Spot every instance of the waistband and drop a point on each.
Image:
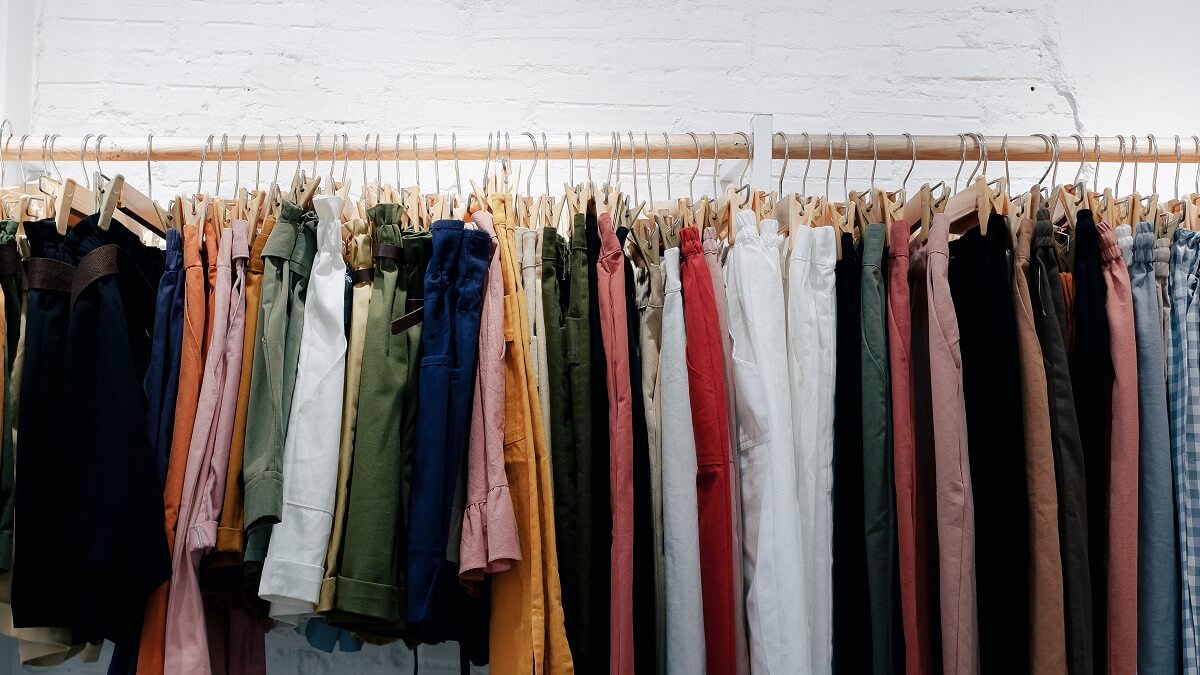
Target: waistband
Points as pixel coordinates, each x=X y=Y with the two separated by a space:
x=875 y=244
x=55 y=275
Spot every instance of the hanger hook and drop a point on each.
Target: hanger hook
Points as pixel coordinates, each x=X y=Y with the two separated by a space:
x=962 y=149
x=203 y=157
x=346 y=156
x=487 y=161
x=1004 y=148
x=221 y=161
x=278 y=159
x=53 y=141
x=45 y=169
x=149 y=173
x=649 y=184
x=912 y=146
x=874 y=158
x=316 y=152
x=714 y=173
x=1153 y=176
x=83 y=146
x=1096 y=175
x=667 y=142
x=237 y=167
x=378 y=167
x=1195 y=140
x=1082 y=156
x=1178 y=164
x=532 y=167
x=258 y=159
x=333 y=148
x=96 y=152
x=633 y=162
x=786 y=152
x=1050 y=149
x=437 y=170
x=545 y=163
x=807 y=164
x=24 y=137
x=1121 y=170
x=975 y=138
x=1133 y=139
x=749 y=154
x=457 y=175
x=829 y=166
x=587 y=153
x=846 y=165
x=366 y=144
x=570 y=159
x=612 y=150
x=1054 y=173
x=299 y=154
x=983 y=148
x=696 y=170
x=416 y=160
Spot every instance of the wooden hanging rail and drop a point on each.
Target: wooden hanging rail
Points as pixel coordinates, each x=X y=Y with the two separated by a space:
x=558 y=147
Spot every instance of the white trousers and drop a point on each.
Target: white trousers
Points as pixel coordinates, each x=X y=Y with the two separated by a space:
x=681 y=519
x=295 y=563
x=773 y=560
x=811 y=342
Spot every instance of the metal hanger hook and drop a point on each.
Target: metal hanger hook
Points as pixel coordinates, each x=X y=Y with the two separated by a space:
x=1049 y=148
x=749 y=154
x=149 y=173
x=874 y=158
x=667 y=142
x=786 y=152
x=692 y=179
x=237 y=167
x=532 y=167
x=912 y=146
x=1154 y=175
x=454 y=152
x=203 y=158
x=962 y=159
x=1082 y=157
x=1121 y=170
x=83 y=146
x=1178 y=164
x=714 y=172
x=221 y=162
x=807 y=165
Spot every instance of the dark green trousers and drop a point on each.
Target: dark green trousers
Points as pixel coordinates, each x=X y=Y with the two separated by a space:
x=370 y=582
x=879 y=498
x=562 y=438
x=577 y=331
x=287 y=259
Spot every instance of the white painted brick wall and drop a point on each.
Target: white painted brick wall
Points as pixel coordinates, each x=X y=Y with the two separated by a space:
x=190 y=67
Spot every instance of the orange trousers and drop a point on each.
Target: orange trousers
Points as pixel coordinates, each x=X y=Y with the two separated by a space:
x=527 y=633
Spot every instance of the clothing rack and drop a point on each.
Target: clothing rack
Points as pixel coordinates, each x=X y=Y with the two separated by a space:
x=795 y=146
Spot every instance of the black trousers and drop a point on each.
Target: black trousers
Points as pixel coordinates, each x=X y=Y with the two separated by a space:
x=89 y=501
x=1068 y=453
x=1092 y=381
x=598 y=576
x=851 y=601
x=645 y=599
x=981 y=285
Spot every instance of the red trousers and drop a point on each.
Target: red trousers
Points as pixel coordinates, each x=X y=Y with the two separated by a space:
x=710 y=424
